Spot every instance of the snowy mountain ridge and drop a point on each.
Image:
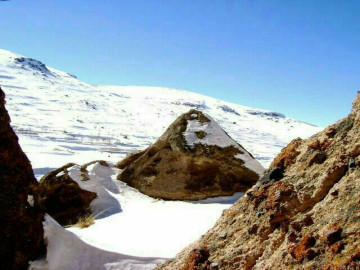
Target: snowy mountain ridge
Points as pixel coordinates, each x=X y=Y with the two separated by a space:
x=70 y=120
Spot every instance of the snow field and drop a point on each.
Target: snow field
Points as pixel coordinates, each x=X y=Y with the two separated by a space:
x=147 y=230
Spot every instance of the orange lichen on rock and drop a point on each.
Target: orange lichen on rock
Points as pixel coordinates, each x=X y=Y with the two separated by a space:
x=337 y=247
x=197 y=259
x=276 y=197
x=316 y=144
x=303 y=249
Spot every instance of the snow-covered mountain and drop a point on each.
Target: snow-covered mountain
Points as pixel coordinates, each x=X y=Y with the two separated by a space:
x=60 y=119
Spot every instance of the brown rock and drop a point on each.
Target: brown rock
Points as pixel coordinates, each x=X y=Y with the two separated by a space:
x=197 y=260
x=253 y=229
x=292 y=237
x=296 y=225
x=337 y=247
x=21 y=215
x=303 y=250
x=63 y=198
x=190 y=161
x=332 y=234
x=308 y=219
x=129 y=159
x=317 y=158
x=330 y=132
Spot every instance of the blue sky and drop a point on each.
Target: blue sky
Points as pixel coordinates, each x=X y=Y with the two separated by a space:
x=298 y=57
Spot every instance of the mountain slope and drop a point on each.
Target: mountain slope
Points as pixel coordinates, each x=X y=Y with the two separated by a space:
x=72 y=121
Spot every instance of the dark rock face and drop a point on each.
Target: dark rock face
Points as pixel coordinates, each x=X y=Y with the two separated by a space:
x=21 y=229
x=178 y=168
x=63 y=198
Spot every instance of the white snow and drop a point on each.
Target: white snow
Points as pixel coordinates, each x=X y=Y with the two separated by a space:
x=215 y=135
x=66 y=251
x=147 y=230
x=251 y=163
x=60 y=174
x=149 y=227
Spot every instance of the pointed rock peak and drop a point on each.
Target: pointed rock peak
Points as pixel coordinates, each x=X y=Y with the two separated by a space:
x=196 y=130
x=194 y=159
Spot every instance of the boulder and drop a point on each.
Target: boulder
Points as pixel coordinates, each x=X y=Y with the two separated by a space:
x=21 y=215
x=194 y=159
x=63 y=198
x=307 y=218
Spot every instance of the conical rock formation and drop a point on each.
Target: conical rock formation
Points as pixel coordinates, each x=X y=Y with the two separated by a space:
x=307 y=217
x=21 y=230
x=193 y=159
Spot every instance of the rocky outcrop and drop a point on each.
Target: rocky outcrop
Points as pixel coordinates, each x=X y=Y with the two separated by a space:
x=63 y=198
x=193 y=159
x=308 y=217
x=21 y=230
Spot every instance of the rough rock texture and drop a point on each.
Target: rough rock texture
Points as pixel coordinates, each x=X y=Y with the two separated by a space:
x=188 y=163
x=21 y=230
x=129 y=159
x=62 y=197
x=307 y=219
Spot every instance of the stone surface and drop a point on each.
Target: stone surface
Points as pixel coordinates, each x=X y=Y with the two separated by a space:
x=132 y=157
x=21 y=216
x=176 y=168
x=63 y=199
x=308 y=219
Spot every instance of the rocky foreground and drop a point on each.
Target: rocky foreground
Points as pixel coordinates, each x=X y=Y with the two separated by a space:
x=305 y=213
